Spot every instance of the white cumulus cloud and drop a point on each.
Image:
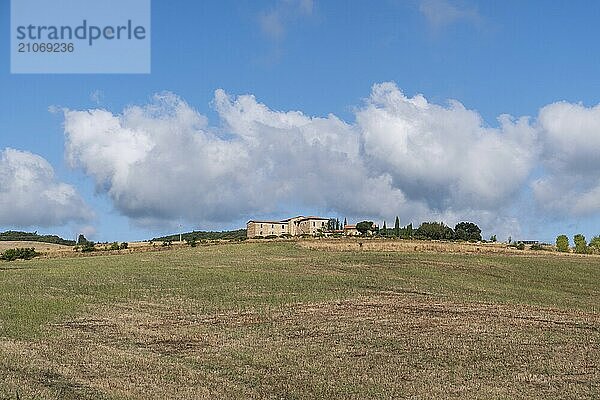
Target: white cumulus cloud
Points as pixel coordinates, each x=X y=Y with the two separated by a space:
x=30 y=194
x=445 y=156
x=403 y=156
x=570 y=138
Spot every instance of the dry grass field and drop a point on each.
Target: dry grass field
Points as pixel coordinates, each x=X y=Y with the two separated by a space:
x=354 y=244
x=39 y=246
x=295 y=320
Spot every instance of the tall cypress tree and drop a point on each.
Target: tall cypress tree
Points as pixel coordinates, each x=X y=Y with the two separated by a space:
x=384 y=230
x=397 y=227
x=345 y=222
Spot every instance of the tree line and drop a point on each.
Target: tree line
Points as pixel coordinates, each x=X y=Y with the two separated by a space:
x=467 y=231
x=239 y=234
x=16 y=236
x=580 y=244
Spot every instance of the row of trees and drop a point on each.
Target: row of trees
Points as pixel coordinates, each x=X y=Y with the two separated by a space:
x=580 y=244
x=466 y=231
x=239 y=234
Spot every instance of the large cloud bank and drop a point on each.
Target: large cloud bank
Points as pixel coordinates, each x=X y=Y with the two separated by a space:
x=30 y=194
x=571 y=159
x=402 y=156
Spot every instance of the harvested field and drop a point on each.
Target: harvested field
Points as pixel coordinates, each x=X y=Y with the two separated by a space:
x=354 y=244
x=39 y=246
x=278 y=320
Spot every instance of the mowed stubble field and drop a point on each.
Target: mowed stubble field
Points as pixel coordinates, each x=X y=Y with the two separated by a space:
x=280 y=320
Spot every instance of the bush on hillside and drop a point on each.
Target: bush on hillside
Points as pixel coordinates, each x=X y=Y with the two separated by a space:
x=26 y=253
x=88 y=247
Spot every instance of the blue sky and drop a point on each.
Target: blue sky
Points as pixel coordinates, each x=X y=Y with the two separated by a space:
x=322 y=58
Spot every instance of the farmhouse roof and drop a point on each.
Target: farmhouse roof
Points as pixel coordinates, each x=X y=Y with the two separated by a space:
x=299 y=218
x=265 y=222
x=289 y=219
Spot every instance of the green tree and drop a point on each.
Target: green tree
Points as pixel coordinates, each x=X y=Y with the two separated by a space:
x=345 y=222
x=595 y=244
x=364 y=227
x=434 y=231
x=81 y=239
x=397 y=227
x=467 y=231
x=383 y=231
x=562 y=243
x=493 y=239
x=331 y=224
x=580 y=244
x=408 y=231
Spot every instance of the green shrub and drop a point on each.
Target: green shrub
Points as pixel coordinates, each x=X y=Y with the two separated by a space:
x=114 y=246
x=538 y=246
x=88 y=247
x=191 y=242
x=124 y=246
x=594 y=246
x=26 y=253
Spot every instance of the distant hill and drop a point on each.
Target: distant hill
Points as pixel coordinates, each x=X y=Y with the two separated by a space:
x=15 y=236
x=206 y=235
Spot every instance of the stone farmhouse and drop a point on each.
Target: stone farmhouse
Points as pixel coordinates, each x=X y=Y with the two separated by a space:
x=296 y=226
x=350 y=230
